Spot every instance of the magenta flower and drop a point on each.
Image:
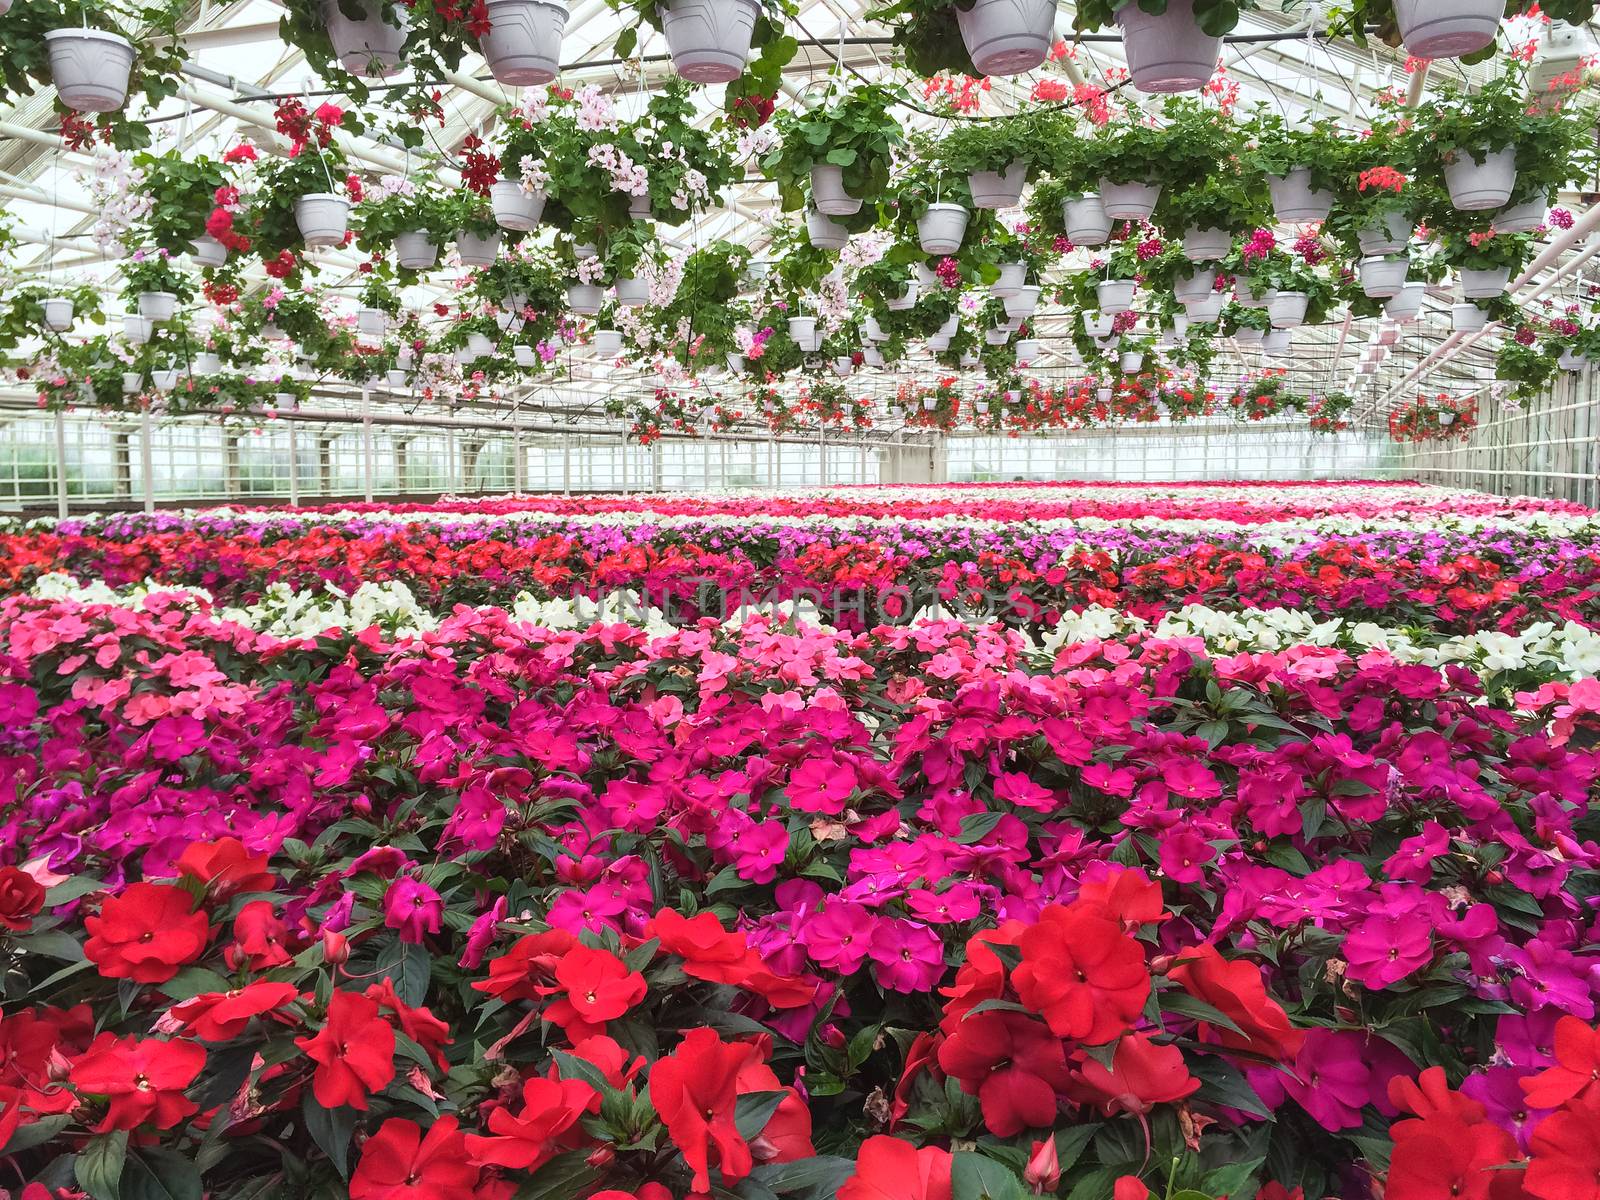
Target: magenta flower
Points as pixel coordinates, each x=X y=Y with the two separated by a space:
x=413 y=908
x=906 y=956
x=1385 y=949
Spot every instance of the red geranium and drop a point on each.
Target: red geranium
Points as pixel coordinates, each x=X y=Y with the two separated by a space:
x=695 y=1091
x=1141 y=1076
x=1085 y=976
x=547 y=1125
x=596 y=987
x=143 y=1079
x=146 y=934
x=354 y=1052
x=400 y=1162
x=522 y=972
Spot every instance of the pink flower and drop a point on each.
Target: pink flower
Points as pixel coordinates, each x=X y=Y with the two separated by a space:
x=413 y=908
x=906 y=956
x=1385 y=949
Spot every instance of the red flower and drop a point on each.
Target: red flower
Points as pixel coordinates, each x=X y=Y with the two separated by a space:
x=1449 y=1151
x=222 y=1016
x=1236 y=990
x=354 y=1052
x=21 y=896
x=243 y=152
x=547 y=1125
x=1079 y=971
x=399 y=1162
x=144 y=1080
x=598 y=988
x=259 y=938
x=1142 y=1075
x=694 y=1089
x=1565 y=1164
x=1576 y=1074
x=521 y=972
x=890 y=1169
x=226 y=868
x=787 y=1134
x=1012 y=1064
x=418 y=1024
x=146 y=934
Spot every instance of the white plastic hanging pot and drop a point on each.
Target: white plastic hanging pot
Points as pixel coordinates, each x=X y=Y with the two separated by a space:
x=164 y=380
x=1129 y=201
x=938 y=344
x=813 y=343
x=828 y=194
x=514 y=208
x=322 y=217
x=1012 y=277
x=1485 y=284
x=373 y=322
x=58 y=313
x=140 y=330
x=927 y=277
x=1475 y=186
x=208 y=252
x=1027 y=350
x=1383 y=277
x=929 y=403
x=735 y=364
x=207 y=363
x=607 y=343
x=1522 y=218
x=639 y=207
x=1249 y=297
x=1279 y=341
x=405 y=358
x=479 y=345
x=414 y=252
x=873 y=330
x=90 y=68
x=1447 y=28
x=1467 y=318
x=825 y=233
x=132 y=383
x=998 y=189
x=801 y=329
x=1022 y=305
x=1569 y=361
x=272 y=333
x=1206 y=245
x=585 y=299
x=369 y=46
x=1404 y=305
x=524 y=355
x=1295 y=201
x=941 y=228
x=1097 y=325
x=632 y=292
x=1167 y=51
x=1386 y=237
x=523 y=42
x=951 y=324
x=1248 y=335
x=872 y=356
x=998 y=336
x=397 y=380
x=905 y=300
x=1103 y=394
x=1208 y=308
x=842 y=366
x=709 y=40
x=1116 y=295
x=286 y=400
x=970 y=359
x=1007 y=37
x=158 y=306
x=474 y=251
x=1086 y=221
x=1287 y=310
x=1194 y=287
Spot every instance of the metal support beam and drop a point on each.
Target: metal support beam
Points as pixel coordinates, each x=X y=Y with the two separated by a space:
x=147 y=469
x=61 y=466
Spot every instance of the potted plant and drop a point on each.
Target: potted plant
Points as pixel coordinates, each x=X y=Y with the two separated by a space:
x=350 y=41
x=477 y=233
x=1435 y=29
x=1485 y=262
x=182 y=192
x=981 y=37
x=710 y=40
x=521 y=40
x=1000 y=157
x=1133 y=161
x=153 y=285
x=1171 y=46
x=1472 y=138
x=414 y=217
x=1552 y=152
x=1303 y=162
x=844 y=147
x=1434 y=418
x=302 y=200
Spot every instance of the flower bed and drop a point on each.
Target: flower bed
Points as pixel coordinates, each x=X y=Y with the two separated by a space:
x=1235 y=905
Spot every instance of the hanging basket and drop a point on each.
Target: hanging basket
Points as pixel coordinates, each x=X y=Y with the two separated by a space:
x=801 y=330
x=1028 y=350
x=1447 y=28
x=1022 y=305
x=941 y=228
x=165 y=379
x=1115 y=295
x=1405 y=304
x=998 y=189
x=1194 y=287
x=639 y=207
x=323 y=218
x=90 y=68
x=1383 y=277
x=998 y=336
x=1522 y=218
x=828 y=194
x=585 y=299
x=132 y=383
x=1287 y=310
x=1208 y=308
x=207 y=363
x=1475 y=186
x=368 y=46
x=824 y=233
x=523 y=42
x=709 y=40
x=905 y=300
x=1388 y=237
x=397 y=380
x=1129 y=201
x=1248 y=335
x=1086 y=221
x=58 y=312
x=632 y=292
x=1569 y=361
x=1007 y=37
x=373 y=322
x=842 y=366
x=607 y=343
x=1295 y=201
x=208 y=252
x=1097 y=325
x=1278 y=342
x=1206 y=245
x=1484 y=285
x=1012 y=277
x=1167 y=51
x=514 y=208
x=474 y=251
x=414 y=252
x=157 y=306
x=1467 y=318
x=1248 y=297
x=140 y=330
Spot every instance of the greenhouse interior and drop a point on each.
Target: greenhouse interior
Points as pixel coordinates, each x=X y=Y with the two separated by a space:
x=799 y=600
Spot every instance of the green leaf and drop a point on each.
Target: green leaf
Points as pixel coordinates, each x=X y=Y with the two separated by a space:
x=755 y=1110
x=563 y=1177
x=626 y=41
x=156 y=1174
x=409 y=965
x=978 y=1177
x=1232 y=1179
x=100 y=1163
x=191 y=982
x=331 y=1129
x=1186 y=1005
x=806 y=1178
